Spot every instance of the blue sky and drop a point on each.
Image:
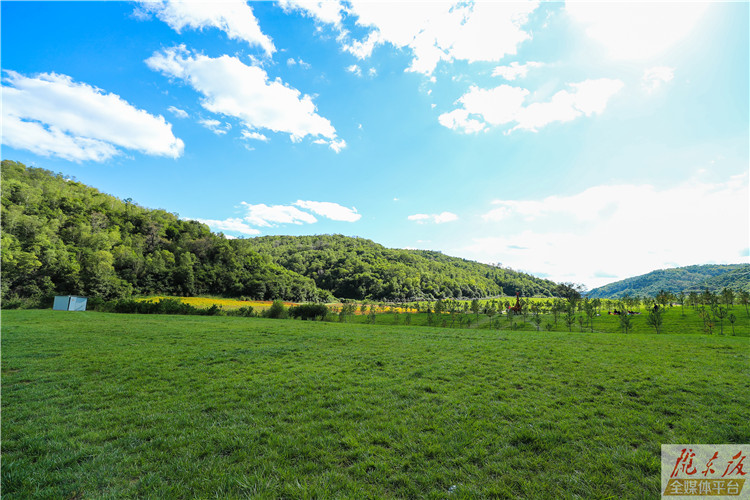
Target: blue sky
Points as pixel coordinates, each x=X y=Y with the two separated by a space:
x=583 y=142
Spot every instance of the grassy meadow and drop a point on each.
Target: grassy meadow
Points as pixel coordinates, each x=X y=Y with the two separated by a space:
x=100 y=405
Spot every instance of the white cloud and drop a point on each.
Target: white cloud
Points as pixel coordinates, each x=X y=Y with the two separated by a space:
x=231 y=88
x=325 y=11
x=618 y=230
x=443 y=31
x=330 y=210
x=504 y=105
x=515 y=70
x=354 y=69
x=234 y=225
x=52 y=115
x=636 y=30
x=655 y=77
x=458 y=119
x=215 y=126
x=302 y=64
x=247 y=134
x=179 y=113
x=436 y=218
x=265 y=216
x=362 y=49
x=234 y=17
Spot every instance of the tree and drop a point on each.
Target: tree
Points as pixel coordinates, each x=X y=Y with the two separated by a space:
x=475 y=307
x=589 y=310
x=732 y=318
x=655 y=318
x=721 y=313
x=570 y=291
x=570 y=316
x=744 y=297
x=625 y=321
x=727 y=296
x=681 y=300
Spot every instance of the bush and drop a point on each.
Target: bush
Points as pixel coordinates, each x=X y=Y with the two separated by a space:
x=309 y=311
x=276 y=311
x=245 y=312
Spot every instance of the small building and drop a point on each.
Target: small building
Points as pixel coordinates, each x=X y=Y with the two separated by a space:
x=69 y=303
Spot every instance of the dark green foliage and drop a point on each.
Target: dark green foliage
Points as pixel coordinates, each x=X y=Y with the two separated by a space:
x=276 y=311
x=162 y=306
x=358 y=268
x=680 y=279
x=309 y=311
x=62 y=237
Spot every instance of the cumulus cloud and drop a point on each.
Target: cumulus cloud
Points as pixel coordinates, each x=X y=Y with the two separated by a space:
x=235 y=225
x=52 y=115
x=515 y=70
x=435 y=218
x=615 y=231
x=442 y=31
x=325 y=11
x=179 y=113
x=333 y=211
x=233 y=17
x=354 y=69
x=232 y=88
x=636 y=30
x=655 y=77
x=504 y=105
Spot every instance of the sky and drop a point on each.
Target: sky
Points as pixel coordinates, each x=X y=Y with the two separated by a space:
x=583 y=142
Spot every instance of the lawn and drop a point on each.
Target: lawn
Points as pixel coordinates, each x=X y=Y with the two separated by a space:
x=114 y=405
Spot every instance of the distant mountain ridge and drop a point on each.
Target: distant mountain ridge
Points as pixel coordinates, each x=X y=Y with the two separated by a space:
x=715 y=277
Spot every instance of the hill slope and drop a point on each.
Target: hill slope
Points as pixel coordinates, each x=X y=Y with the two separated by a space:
x=60 y=236
x=358 y=268
x=63 y=237
x=680 y=279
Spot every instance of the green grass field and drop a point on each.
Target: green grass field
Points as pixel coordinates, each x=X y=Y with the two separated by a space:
x=112 y=405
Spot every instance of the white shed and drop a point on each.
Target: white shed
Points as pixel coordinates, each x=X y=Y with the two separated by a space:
x=69 y=303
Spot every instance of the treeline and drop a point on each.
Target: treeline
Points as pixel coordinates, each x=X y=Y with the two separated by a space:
x=712 y=277
x=62 y=237
x=357 y=268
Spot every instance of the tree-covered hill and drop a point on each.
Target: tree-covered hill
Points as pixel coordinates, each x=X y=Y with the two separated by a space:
x=60 y=236
x=680 y=279
x=63 y=237
x=359 y=268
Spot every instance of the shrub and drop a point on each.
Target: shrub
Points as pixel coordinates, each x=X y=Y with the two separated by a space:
x=276 y=311
x=309 y=311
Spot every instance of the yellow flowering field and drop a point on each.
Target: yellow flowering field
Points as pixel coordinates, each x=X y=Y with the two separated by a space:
x=226 y=304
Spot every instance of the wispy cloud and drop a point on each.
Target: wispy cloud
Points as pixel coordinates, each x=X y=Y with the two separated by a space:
x=616 y=231
x=654 y=78
x=333 y=211
x=440 y=218
x=234 y=225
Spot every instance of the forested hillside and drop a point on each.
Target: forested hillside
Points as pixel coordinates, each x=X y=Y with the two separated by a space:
x=60 y=236
x=359 y=268
x=680 y=279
